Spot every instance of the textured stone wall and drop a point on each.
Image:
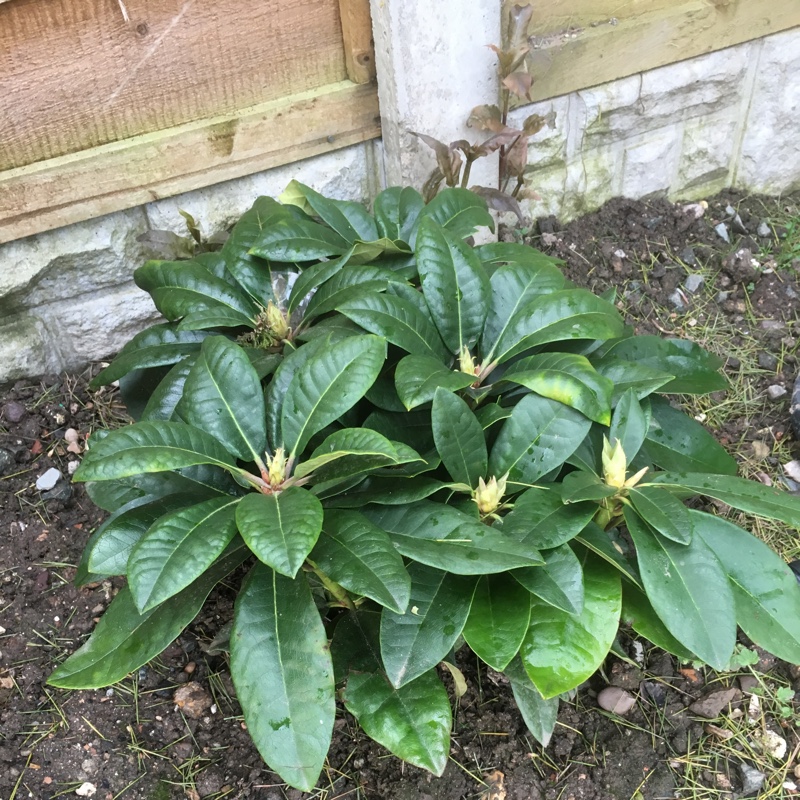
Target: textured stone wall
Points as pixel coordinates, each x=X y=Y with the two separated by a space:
x=729 y=118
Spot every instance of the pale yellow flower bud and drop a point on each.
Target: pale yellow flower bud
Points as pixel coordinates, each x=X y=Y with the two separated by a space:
x=276 y=321
x=614 y=463
x=488 y=495
x=276 y=467
x=466 y=363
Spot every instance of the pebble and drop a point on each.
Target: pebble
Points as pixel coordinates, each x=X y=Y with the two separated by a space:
x=192 y=699
x=14 y=411
x=722 y=297
x=72 y=467
x=711 y=705
x=693 y=282
x=752 y=779
x=86 y=790
x=48 y=480
x=767 y=361
x=764 y=230
x=7 y=461
x=771 y=743
x=722 y=232
x=61 y=491
x=679 y=300
x=616 y=700
x=689 y=258
x=776 y=391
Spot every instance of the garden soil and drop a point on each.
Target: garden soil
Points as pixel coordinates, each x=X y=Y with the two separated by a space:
x=174 y=729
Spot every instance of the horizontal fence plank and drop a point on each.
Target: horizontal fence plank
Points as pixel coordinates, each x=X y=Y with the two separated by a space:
x=145 y=168
x=583 y=43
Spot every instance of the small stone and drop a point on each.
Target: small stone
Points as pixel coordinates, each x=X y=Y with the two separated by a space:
x=752 y=779
x=190 y=668
x=776 y=391
x=7 y=461
x=192 y=699
x=86 y=790
x=48 y=480
x=711 y=705
x=72 y=467
x=693 y=282
x=689 y=258
x=722 y=232
x=767 y=361
x=771 y=743
x=70 y=435
x=764 y=230
x=722 y=297
x=61 y=491
x=14 y=411
x=748 y=683
x=679 y=300
x=616 y=700
x=760 y=450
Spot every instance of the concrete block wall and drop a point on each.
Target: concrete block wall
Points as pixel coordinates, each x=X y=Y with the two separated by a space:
x=728 y=118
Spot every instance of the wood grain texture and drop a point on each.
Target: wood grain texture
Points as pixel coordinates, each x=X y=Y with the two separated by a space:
x=74 y=74
x=359 y=49
x=120 y=175
x=582 y=43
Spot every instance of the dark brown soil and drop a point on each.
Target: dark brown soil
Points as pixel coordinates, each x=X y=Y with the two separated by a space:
x=132 y=742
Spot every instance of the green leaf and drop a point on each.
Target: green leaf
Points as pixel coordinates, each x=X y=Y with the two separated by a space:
x=459 y=438
x=749 y=496
x=223 y=397
x=350 y=220
x=562 y=650
x=348 y=284
x=164 y=400
x=418 y=377
x=539 y=714
x=516 y=253
x=281 y=529
x=361 y=447
x=178 y=548
x=398 y=321
x=153 y=347
x=560 y=316
x=443 y=537
x=313 y=277
x=568 y=378
x=388 y=492
x=696 y=370
x=625 y=375
x=179 y=288
x=491 y=414
x=282 y=670
x=581 y=485
x=460 y=211
x=559 y=582
x=125 y=640
x=601 y=543
x=765 y=590
x=513 y=287
x=216 y=317
x=413 y=722
x=639 y=614
x=678 y=443
x=298 y=240
x=455 y=287
x=629 y=424
x=498 y=620
x=542 y=519
x=662 y=511
x=330 y=383
x=396 y=211
x=361 y=557
x=110 y=546
x=417 y=640
x=689 y=591
x=151 y=447
x=540 y=435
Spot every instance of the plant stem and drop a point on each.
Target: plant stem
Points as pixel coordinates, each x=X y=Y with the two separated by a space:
x=338 y=592
x=465 y=174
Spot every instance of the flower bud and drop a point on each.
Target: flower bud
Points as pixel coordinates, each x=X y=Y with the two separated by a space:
x=614 y=464
x=276 y=321
x=466 y=363
x=488 y=495
x=276 y=467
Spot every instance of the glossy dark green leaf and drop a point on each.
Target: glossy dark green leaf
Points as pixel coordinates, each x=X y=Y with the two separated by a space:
x=515 y=253
x=568 y=378
x=396 y=211
x=454 y=284
x=179 y=288
x=388 y=492
x=498 y=619
x=662 y=511
x=151 y=447
x=562 y=650
x=417 y=640
x=282 y=670
x=223 y=397
x=443 y=537
x=418 y=377
x=581 y=485
x=361 y=557
x=350 y=220
x=164 y=400
x=765 y=590
x=605 y=544
x=178 y=548
x=125 y=640
x=298 y=240
x=513 y=287
x=460 y=211
x=689 y=590
x=330 y=383
x=630 y=424
x=542 y=519
x=214 y=317
x=313 y=277
x=398 y=321
x=539 y=714
x=749 y=496
x=625 y=375
x=362 y=446
x=696 y=370
x=559 y=582
x=153 y=347
x=281 y=529
x=459 y=438
x=347 y=284
x=678 y=443
x=491 y=413
x=539 y=436
x=560 y=316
